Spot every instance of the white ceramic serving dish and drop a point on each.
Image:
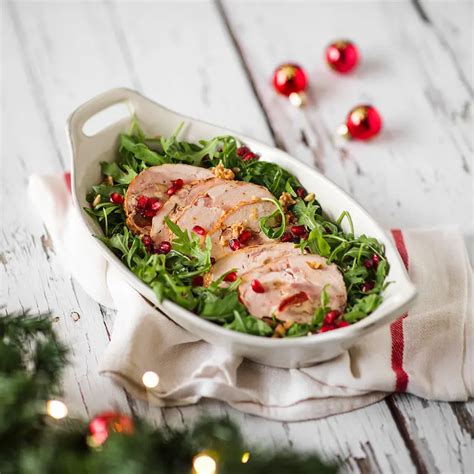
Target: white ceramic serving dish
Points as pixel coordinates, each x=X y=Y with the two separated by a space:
x=88 y=151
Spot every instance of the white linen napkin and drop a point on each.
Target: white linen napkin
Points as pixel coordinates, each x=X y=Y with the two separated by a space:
x=427 y=352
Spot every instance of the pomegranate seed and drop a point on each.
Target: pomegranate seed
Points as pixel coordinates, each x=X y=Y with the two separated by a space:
x=257 y=286
x=198 y=280
x=367 y=286
x=234 y=244
x=245 y=236
x=146 y=239
x=342 y=324
x=171 y=190
x=249 y=156
x=142 y=202
x=177 y=183
x=242 y=150
x=298 y=230
x=154 y=204
x=164 y=247
x=213 y=260
x=329 y=327
x=368 y=264
x=287 y=237
x=301 y=192
x=117 y=198
x=331 y=316
x=231 y=277
x=304 y=236
x=376 y=260
x=197 y=229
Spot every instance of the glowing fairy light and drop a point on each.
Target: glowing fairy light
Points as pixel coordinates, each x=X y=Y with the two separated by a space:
x=245 y=457
x=150 y=379
x=204 y=464
x=56 y=409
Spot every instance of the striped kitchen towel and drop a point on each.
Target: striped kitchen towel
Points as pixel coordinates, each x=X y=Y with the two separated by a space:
x=427 y=352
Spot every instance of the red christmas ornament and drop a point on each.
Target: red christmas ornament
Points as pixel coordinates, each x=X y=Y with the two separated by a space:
x=290 y=80
x=362 y=122
x=105 y=423
x=342 y=56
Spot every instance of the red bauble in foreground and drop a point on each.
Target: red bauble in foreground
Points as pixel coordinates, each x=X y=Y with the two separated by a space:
x=342 y=56
x=363 y=122
x=105 y=423
x=290 y=80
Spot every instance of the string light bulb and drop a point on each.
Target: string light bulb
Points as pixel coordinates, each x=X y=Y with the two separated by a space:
x=56 y=409
x=150 y=379
x=204 y=464
x=245 y=457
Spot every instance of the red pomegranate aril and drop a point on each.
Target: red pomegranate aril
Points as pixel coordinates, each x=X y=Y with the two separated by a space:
x=245 y=236
x=257 y=286
x=198 y=280
x=154 y=204
x=298 y=230
x=301 y=192
x=287 y=237
x=171 y=190
x=177 y=183
x=368 y=264
x=197 y=229
x=213 y=260
x=242 y=150
x=234 y=244
x=117 y=198
x=331 y=316
x=142 y=202
x=231 y=277
x=342 y=324
x=146 y=239
x=164 y=247
x=249 y=156
x=367 y=286
x=326 y=328
x=375 y=260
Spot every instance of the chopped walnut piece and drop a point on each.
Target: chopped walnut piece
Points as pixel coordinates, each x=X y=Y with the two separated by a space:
x=222 y=173
x=279 y=331
x=287 y=324
x=109 y=180
x=286 y=200
x=237 y=229
x=314 y=265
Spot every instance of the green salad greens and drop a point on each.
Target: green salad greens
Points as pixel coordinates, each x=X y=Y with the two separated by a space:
x=178 y=275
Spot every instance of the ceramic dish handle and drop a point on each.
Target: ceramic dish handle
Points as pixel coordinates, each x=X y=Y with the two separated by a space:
x=85 y=112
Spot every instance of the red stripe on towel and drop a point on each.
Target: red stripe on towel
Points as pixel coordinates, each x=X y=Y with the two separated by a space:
x=67 y=180
x=396 y=328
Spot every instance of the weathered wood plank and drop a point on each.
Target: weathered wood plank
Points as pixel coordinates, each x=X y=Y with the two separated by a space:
x=290 y=39
x=426 y=145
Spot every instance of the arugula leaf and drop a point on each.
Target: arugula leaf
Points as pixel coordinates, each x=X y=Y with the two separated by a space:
x=249 y=325
x=363 y=307
x=123 y=175
x=319 y=314
x=141 y=151
x=272 y=231
x=307 y=213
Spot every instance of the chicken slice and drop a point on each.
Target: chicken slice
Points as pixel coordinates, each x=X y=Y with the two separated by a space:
x=153 y=183
x=292 y=288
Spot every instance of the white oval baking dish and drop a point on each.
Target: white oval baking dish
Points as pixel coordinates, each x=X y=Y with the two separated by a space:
x=88 y=151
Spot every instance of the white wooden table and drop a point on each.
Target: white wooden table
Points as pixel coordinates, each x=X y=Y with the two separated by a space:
x=214 y=61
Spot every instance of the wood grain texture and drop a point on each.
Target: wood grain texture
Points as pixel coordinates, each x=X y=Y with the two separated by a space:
x=57 y=55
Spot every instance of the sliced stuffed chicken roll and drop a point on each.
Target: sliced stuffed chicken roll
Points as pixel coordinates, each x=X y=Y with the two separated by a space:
x=290 y=288
x=152 y=188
